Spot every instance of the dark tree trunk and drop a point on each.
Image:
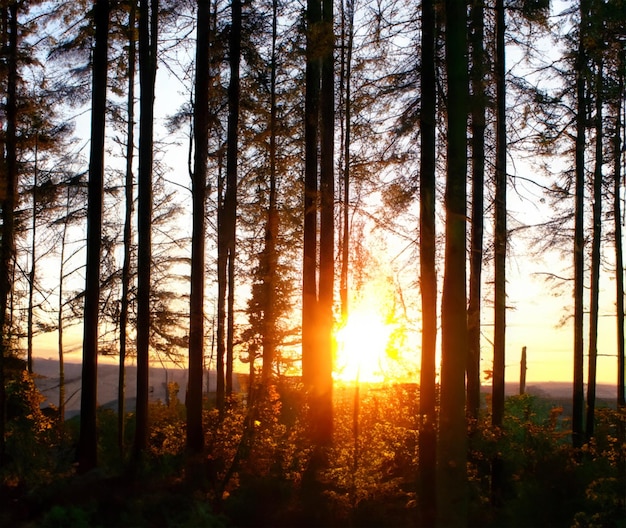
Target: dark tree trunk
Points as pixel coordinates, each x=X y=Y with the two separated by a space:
x=270 y=257
x=595 y=262
x=60 y=345
x=478 y=125
x=148 y=27
x=348 y=25
x=500 y=246
x=428 y=274
x=31 y=276
x=230 y=196
x=619 y=255
x=9 y=203
x=500 y=233
x=578 y=399
x=88 y=440
x=195 y=432
x=128 y=219
x=311 y=131
x=324 y=383
x=452 y=446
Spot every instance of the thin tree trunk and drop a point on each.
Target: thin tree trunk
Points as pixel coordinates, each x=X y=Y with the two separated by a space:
x=32 y=273
x=500 y=232
x=478 y=125
x=88 y=440
x=452 y=447
x=579 y=218
x=128 y=238
x=595 y=262
x=148 y=28
x=230 y=197
x=60 y=345
x=195 y=433
x=500 y=246
x=270 y=257
x=9 y=202
x=428 y=274
x=345 y=239
x=324 y=383
x=311 y=130
x=619 y=255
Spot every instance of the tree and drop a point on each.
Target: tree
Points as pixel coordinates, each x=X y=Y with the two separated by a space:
x=311 y=132
x=195 y=434
x=9 y=200
x=478 y=125
x=148 y=34
x=428 y=272
x=327 y=226
x=128 y=220
x=579 y=217
x=452 y=442
x=227 y=221
x=617 y=218
x=595 y=242
x=88 y=440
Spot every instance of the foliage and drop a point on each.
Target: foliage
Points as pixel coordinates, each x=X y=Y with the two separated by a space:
x=256 y=458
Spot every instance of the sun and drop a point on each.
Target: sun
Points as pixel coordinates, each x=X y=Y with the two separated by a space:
x=362 y=344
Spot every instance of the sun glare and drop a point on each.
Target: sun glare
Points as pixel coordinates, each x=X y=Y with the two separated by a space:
x=361 y=347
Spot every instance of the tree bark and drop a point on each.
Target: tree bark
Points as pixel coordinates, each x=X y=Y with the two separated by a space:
x=148 y=28
x=579 y=242
x=88 y=439
x=195 y=432
x=478 y=125
x=452 y=447
x=9 y=203
x=324 y=385
x=619 y=255
x=595 y=262
x=311 y=130
x=270 y=257
x=128 y=219
x=230 y=196
x=428 y=274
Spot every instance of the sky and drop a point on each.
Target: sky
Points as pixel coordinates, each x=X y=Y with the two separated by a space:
x=535 y=310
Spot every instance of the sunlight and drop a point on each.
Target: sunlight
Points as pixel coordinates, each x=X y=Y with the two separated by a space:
x=361 y=347
x=366 y=344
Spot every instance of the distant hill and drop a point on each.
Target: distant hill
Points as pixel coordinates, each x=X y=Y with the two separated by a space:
x=47 y=381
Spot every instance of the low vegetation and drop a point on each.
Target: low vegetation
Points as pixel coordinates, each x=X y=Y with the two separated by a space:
x=254 y=468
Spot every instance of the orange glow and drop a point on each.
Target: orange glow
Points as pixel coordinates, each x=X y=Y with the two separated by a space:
x=368 y=344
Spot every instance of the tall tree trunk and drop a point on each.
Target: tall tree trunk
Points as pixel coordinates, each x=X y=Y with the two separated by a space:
x=270 y=257
x=230 y=196
x=324 y=383
x=500 y=246
x=128 y=219
x=60 y=345
x=148 y=31
x=579 y=242
x=88 y=439
x=311 y=131
x=33 y=271
x=619 y=255
x=478 y=102
x=452 y=446
x=9 y=203
x=348 y=25
x=595 y=262
x=428 y=274
x=500 y=233
x=195 y=433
